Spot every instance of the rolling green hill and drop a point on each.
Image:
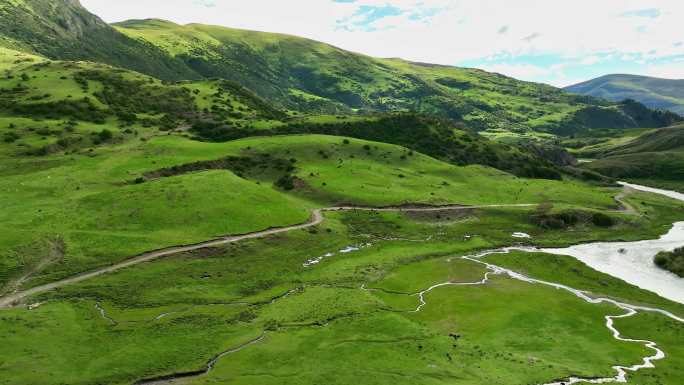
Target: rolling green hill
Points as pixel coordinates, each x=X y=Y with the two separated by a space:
x=302 y=75
x=310 y=76
x=51 y=106
x=665 y=94
x=198 y=204
x=656 y=157
x=661 y=140
x=61 y=107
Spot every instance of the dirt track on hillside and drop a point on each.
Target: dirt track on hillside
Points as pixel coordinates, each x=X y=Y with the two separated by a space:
x=316 y=219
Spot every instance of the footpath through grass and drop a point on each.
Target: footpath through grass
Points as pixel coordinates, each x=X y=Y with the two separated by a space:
x=175 y=314
x=96 y=208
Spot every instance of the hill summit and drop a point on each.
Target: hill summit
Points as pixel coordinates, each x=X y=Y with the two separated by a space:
x=665 y=94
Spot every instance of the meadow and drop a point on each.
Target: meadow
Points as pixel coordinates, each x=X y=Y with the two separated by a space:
x=174 y=315
x=98 y=208
x=118 y=140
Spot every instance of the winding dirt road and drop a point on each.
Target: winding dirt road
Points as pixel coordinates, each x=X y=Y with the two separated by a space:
x=15 y=298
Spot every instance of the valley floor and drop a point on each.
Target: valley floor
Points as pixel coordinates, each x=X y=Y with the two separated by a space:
x=335 y=297
x=344 y=298
x=196 y=205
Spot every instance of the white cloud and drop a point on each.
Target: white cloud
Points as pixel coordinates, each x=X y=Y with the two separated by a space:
x=673 y=70
x=589 y=60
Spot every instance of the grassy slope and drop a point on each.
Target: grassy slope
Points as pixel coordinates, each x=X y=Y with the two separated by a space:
x=63 y=29
x=52 y=121
x=439 y=138
x=310 y=76
x=58 y=107
x=654 y=92
x=78 y=206
x=655 y=157
x=304 y=75
x=59 y=95
x=58 y=164
x=87 y=200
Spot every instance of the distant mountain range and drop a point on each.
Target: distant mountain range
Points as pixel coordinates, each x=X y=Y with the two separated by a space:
x=665 y=94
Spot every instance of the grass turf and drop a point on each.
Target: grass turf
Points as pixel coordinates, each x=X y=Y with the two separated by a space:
x=214 y=300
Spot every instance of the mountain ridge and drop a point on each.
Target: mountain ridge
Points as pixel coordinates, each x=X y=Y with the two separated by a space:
x=65 y=30
x=311 y=77
x=660 y=93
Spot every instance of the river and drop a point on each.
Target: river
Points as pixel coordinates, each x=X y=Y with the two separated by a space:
x=633 y=261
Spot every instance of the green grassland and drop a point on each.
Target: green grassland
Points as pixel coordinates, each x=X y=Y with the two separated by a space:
x=568 y=271
x=94 y=202
x=595 y=142
x=175 y=314
x=310 y=76
x=655 y=157
x=79 y=138
x=667 y=333
x=438 y=138
x=120 y=139
x=305 y=76
x=95 y=104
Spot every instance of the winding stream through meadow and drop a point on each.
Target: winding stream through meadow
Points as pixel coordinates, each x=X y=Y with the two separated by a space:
x=629 y=311
x=629 y=261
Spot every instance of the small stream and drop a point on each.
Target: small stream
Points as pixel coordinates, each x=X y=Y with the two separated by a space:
x=629 y=311
x=629 y=261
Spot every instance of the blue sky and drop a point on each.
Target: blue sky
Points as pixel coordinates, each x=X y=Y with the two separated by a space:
x=551 y=41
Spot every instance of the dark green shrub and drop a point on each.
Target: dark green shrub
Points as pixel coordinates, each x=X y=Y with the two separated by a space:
x=602 y=220
x=104 y=136
x=672 y=261
x=10 y=137
x=44 y=131
x=661 y=259
x=286 y=182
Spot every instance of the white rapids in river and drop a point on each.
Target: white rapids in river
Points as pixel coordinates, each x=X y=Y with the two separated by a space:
x=633 y=261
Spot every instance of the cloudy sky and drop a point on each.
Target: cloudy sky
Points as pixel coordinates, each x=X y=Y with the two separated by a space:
x=553 y=41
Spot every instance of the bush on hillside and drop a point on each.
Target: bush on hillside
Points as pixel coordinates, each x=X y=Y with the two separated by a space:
x=103 y=136
x=544 y=218
x=602 y=220
x=10 y=137
x=286 y=182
